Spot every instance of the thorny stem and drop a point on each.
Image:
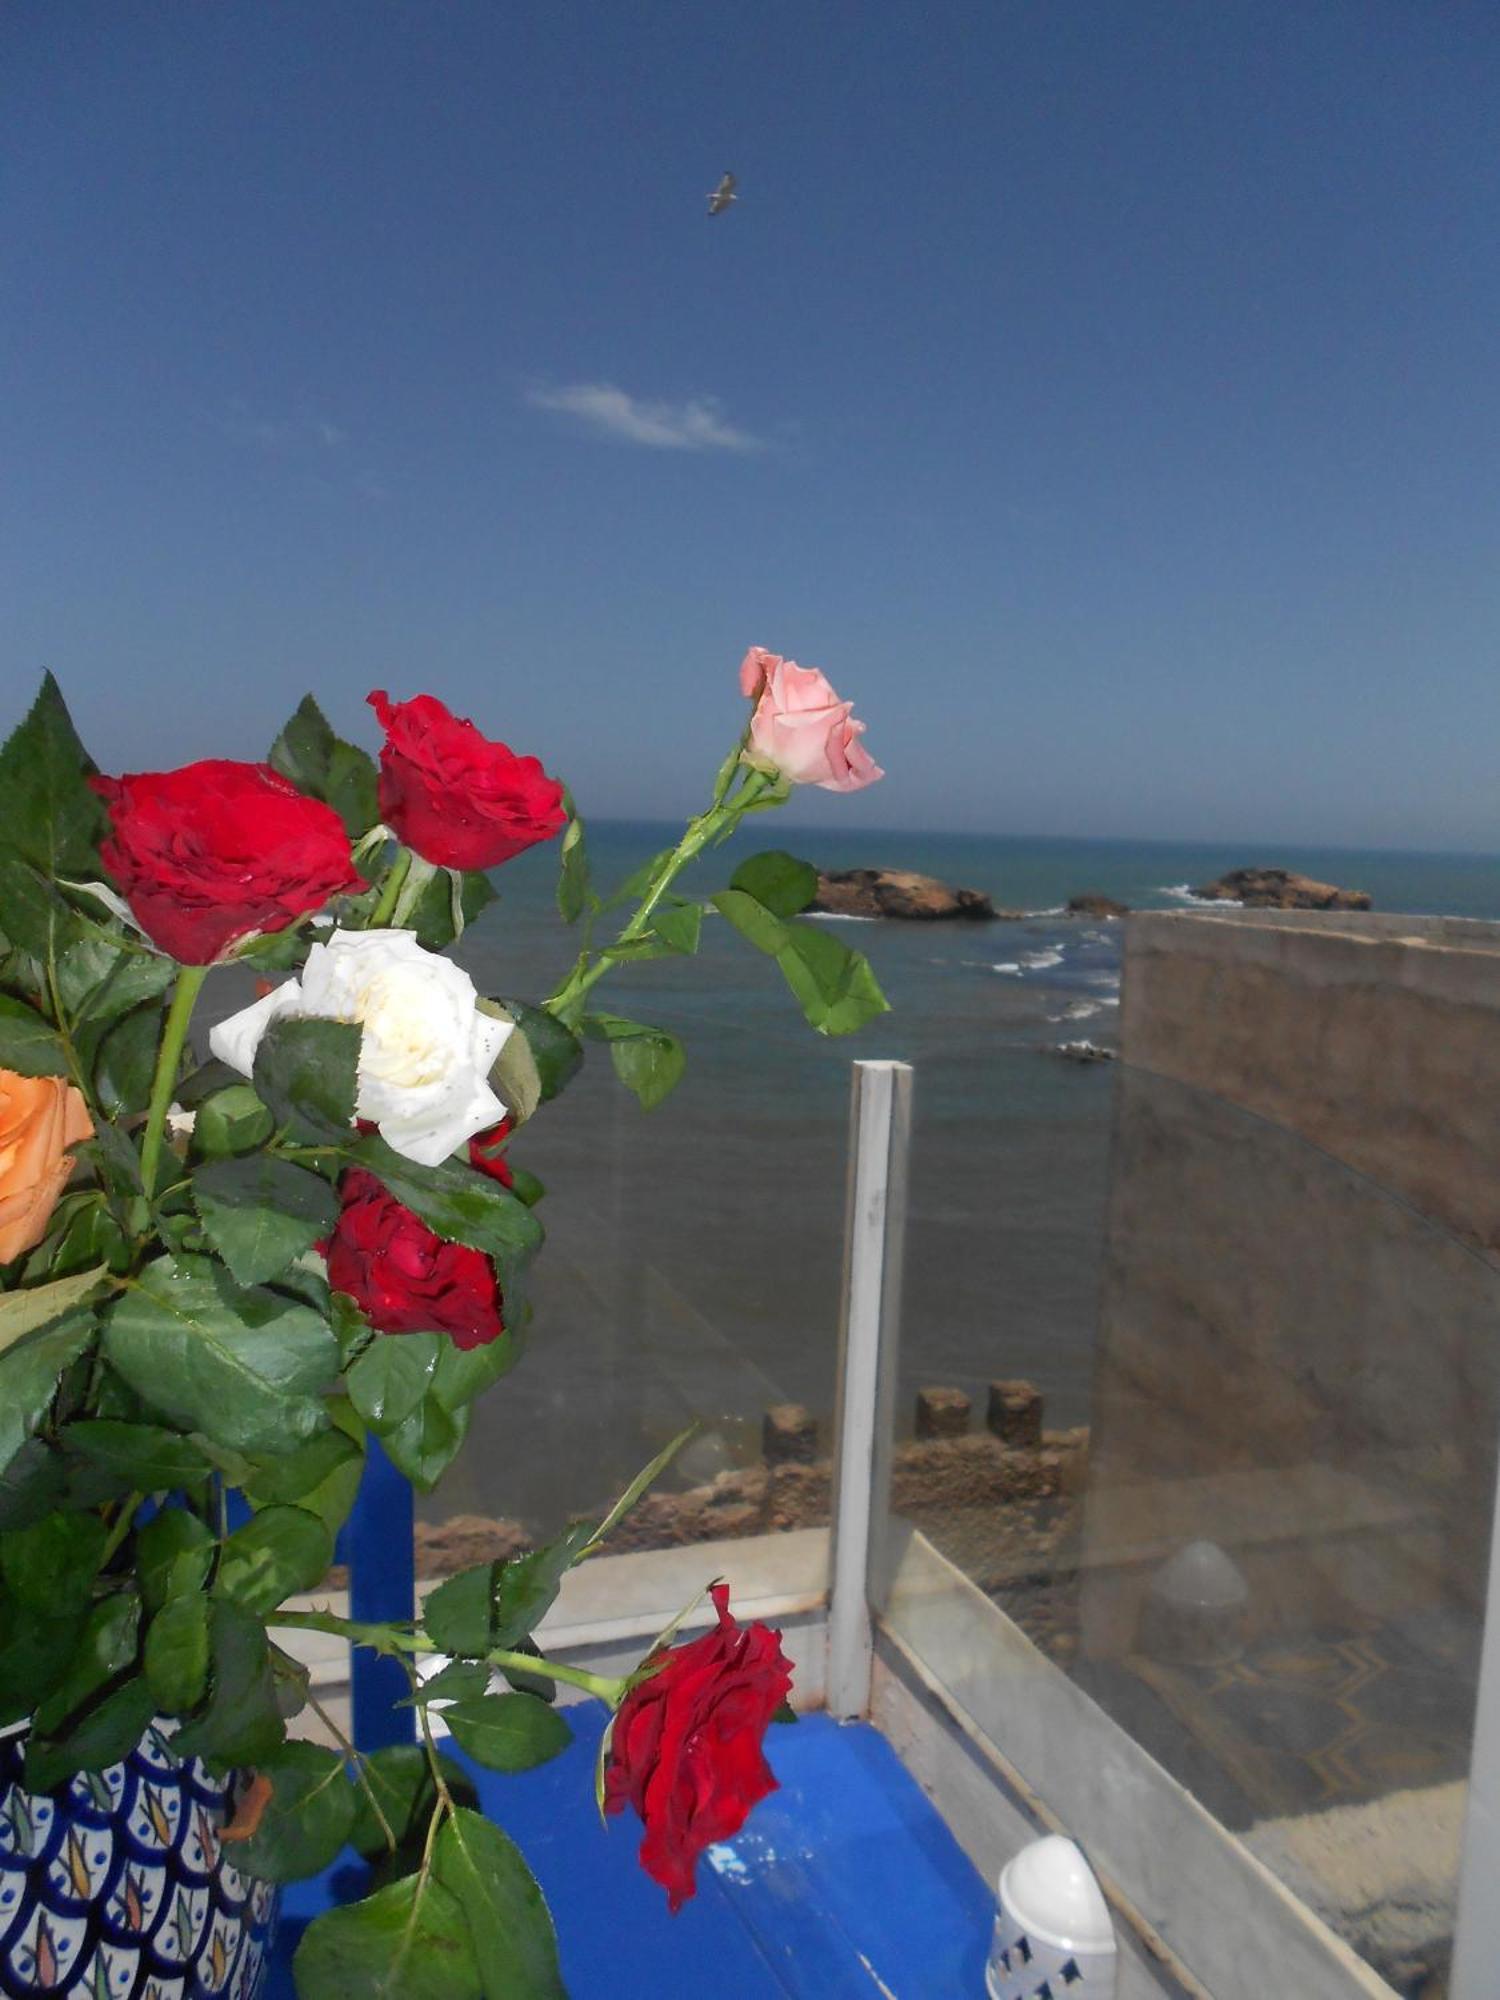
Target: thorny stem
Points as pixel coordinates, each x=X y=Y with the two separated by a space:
x=720 y=816
x=357 y=1760
x=394 y=1639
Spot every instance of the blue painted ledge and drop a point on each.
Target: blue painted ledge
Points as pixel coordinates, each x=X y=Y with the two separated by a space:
x=843 y=1883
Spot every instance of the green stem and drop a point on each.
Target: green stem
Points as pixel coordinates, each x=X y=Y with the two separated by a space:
x=396 y=1639
x=123 y=1523
x=700 y=831
x=168 y=1057
x=390 y=889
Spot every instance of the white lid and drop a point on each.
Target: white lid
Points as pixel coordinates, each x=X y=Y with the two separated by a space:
x=1201 y=1576
x=1051 y=1892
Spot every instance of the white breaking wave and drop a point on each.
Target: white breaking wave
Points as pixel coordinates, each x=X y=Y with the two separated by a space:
x=839 y=917
x=1181 y=893
x=1010 y=967
x=1041 y=961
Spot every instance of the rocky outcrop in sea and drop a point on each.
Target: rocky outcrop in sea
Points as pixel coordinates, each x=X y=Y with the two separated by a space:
x=1280 y=889
x=897 y=892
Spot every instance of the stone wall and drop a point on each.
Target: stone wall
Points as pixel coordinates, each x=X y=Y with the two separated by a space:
x=1299 y=1352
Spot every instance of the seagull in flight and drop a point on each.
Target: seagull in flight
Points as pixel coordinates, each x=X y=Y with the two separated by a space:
x=722 y=195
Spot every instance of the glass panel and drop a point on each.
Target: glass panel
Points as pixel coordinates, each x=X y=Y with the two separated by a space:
x=1244 y=1506
x=693 y=1254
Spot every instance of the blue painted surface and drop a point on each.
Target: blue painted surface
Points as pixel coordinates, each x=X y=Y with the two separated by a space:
x=381 y=1555
x=844 y=1885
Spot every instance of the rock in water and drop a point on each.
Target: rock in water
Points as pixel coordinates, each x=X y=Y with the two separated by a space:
x=895 y=892
x=1092 y=904
x=1279 y=889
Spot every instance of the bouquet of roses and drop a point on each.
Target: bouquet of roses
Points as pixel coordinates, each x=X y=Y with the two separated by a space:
x=220 y=1279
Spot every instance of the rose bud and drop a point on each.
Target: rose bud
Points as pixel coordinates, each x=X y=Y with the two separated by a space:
x=800 y=729
x=454 y=797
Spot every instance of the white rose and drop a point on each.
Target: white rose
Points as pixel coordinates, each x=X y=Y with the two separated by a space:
x=426 y=1049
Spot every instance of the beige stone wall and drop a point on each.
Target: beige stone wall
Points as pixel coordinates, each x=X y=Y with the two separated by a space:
x=1300 y=1335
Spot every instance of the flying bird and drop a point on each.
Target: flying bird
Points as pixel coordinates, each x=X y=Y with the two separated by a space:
x=722 y=195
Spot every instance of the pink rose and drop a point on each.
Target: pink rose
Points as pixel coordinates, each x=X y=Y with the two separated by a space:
x=801 y=728
x=754 y=668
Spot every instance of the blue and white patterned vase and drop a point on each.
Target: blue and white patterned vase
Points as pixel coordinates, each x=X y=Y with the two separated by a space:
x=117 y=1888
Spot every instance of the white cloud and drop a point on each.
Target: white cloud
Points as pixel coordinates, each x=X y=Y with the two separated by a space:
x=696 y=424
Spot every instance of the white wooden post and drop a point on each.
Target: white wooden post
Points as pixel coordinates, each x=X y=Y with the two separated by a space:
x=875 y=1225
x=1476 y=1943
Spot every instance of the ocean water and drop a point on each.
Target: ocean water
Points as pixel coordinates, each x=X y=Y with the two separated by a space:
x=693 y=1263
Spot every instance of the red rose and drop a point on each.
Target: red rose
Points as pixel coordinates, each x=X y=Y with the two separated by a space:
x=208 y=853
x=686 y=1747
x=454 y=797
x=486 y=1156
x=402 y=1276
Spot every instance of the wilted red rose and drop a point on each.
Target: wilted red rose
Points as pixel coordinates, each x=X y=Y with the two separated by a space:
x=210 y=852
x=452 y=795
x=686 y=1747
x=403 y=1277
x=487 y=1156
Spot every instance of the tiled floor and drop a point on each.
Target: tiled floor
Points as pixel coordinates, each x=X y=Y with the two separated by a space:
x=844 y=1883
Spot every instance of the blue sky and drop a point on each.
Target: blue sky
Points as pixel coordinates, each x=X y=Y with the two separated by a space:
x=1104 y=395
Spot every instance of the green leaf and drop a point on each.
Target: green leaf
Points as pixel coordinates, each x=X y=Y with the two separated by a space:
x=392 y=1376
x=139 y=1457
x=322 y=1475
x=35 y=1650
x=507 y=1732
x=778 y=880
x=176 y=1654
x=647 y=1060
x=754 y=922
x=126 y=1062
x=555 y=1049
x=29 y=1045
x=174 y=1553
x=51 y=817
x=100 y=1737
x=31 y=1368
x=507 y=1916
x=241 y=1723
x=35 y=1306
x=432 y=917
x=678 y=926
x=246 y=1368
x=462 y=1373
x=99 y=981
x=527 y=1586
x=426 y=1444
x=105 y=1650
x=32 y=914
x=401 y=1779
x=409 y=1941
x=460 y=1680
x=278 y=1552
x=316 y=761
x=307 y=1074
x=51 y=1566
x=459 y=1614
x=32 y=1485
x=306 y=1819
x=232 y=1121
x=262 y=1213
x=837 y=988
x=458 y=1204
x=574 y=895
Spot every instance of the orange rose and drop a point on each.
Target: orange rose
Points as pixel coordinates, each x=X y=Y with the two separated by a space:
x=40 y=1117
